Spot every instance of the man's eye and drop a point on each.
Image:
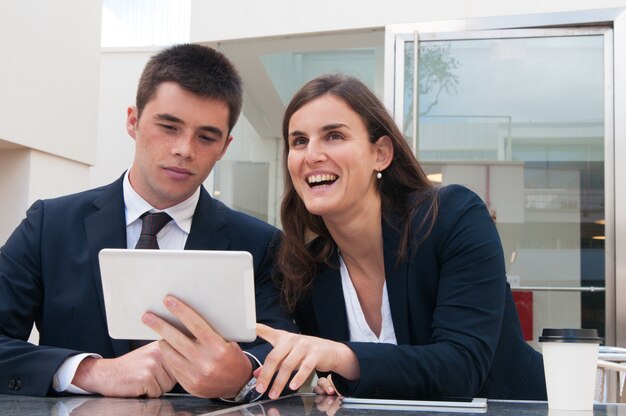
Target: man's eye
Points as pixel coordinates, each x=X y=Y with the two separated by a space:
x=208 y=139
x=167 y=126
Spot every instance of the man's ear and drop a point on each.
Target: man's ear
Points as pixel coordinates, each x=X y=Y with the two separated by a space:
x=384 y=152
x=132 y=118
x=226 y=144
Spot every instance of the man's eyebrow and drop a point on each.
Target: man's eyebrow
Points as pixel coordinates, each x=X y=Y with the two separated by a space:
x=174 y=119
x=169 y=117
x=212 y=129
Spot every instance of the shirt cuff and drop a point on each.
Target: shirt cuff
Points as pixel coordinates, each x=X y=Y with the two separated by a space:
x=253 y=360
x=248 y=393
x=62 y=379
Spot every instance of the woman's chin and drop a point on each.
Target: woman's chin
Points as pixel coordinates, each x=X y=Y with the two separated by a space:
x=318 y=209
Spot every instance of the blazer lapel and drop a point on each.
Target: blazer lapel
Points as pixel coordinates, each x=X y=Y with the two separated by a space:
x=106 y=228
x=397 y=284
x=329 y=304
x=209 y=225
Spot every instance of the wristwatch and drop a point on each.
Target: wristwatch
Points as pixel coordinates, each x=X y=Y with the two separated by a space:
x=248 y=392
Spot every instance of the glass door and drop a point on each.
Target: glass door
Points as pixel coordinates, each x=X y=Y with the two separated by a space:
x=523 y=117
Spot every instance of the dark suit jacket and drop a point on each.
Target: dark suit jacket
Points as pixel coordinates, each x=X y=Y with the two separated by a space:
x=455 y=321
x=49 y=274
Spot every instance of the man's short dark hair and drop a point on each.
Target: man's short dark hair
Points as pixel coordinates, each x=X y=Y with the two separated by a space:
x=198 y=69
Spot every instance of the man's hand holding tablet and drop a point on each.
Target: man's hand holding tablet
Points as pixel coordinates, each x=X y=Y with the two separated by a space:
x=183 y=297
x=205 y=362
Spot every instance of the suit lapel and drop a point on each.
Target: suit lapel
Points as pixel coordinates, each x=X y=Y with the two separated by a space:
x=329 y=304
x=209 y=226
x=328 y=298
x=397 y=284
x=106 y=228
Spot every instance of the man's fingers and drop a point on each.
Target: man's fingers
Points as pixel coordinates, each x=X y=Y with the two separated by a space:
x=175 y=364
x=164 y=375
x=160 y=326
x=198 y=327
x=153 y=389
x=172 y=358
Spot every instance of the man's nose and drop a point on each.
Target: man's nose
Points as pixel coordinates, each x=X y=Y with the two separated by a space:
x=184 y=146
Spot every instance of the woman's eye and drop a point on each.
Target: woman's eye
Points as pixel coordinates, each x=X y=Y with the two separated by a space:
x=299 y=141
x=335 y=136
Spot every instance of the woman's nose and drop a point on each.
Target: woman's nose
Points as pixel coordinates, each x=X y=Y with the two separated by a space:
x=315 y=152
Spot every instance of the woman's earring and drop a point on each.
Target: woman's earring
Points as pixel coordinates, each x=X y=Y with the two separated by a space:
x=379 y=175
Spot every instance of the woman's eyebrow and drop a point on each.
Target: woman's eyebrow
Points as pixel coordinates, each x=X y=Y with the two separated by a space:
x=334 y=126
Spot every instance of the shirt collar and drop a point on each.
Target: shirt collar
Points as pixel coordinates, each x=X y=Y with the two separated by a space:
x=135 y=206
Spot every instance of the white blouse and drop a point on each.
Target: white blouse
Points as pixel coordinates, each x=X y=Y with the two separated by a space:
x=360 y=331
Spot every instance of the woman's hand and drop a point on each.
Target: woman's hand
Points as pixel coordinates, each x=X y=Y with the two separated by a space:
x=302 y=353
x=327 y=405
x=325 y=386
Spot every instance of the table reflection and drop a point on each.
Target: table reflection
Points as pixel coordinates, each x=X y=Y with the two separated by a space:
x=77 y=406
x=298 y=404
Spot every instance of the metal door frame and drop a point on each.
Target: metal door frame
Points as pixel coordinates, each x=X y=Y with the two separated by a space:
x=611 y=23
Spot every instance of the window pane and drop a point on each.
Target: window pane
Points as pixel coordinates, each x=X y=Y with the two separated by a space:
x=521 y=122
x=272 y=71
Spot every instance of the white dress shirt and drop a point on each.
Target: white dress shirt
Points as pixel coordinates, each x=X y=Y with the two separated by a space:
x=360 y=331
x=172 y=237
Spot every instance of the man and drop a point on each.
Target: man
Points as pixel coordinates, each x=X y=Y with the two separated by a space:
x=188 y=100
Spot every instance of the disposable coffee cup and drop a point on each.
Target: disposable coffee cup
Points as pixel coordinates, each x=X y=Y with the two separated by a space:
x=570 y=359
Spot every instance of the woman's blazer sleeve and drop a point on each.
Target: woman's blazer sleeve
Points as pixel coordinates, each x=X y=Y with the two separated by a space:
x=456 y=294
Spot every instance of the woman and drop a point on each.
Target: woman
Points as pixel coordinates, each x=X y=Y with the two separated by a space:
x=402 y=291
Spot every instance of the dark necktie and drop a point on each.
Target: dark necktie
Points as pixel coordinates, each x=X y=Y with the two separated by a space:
x=151 y=224
x=150 y=227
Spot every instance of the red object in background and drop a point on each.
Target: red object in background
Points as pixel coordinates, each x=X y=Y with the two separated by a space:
x=524 y=304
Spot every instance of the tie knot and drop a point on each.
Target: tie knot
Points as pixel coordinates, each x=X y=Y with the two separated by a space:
x=151 y=224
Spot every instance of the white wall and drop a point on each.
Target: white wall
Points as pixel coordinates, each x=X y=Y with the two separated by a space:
x=50 y=54
x=52 y=176
x=238 y=19
x=28 y=175
x=49 y=72
x=120 y=71
x=15 y=165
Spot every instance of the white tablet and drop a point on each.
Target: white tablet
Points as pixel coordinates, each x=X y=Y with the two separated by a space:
x=219 y=285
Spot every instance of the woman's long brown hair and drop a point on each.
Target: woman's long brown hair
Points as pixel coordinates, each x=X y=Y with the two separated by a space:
x=403 y=188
